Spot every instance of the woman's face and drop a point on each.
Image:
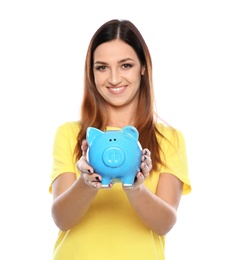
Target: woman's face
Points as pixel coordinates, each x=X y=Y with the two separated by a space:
x=117 y=73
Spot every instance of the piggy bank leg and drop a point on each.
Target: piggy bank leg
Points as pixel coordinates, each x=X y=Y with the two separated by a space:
x=105 y=182
x=128 y=181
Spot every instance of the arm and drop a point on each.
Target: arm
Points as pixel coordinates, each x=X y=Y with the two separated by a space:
x=157 y=211
x=72 y=197
x=71 y=200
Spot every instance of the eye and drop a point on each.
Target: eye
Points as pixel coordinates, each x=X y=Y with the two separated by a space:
x=102 y=67
x=126 y=65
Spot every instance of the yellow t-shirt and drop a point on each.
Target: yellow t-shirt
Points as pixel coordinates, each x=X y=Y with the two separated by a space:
x=111 y=229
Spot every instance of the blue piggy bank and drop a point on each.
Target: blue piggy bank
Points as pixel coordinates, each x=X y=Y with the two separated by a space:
x=114 y=154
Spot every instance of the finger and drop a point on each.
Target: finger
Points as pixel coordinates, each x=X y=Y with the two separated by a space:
x=84 y=147
x=83 y=166
x=145 y=169
x=147 y=160
x=92 y=177
x=146 y=152
x=93 y=184
x=86 y=178
x=140 y=178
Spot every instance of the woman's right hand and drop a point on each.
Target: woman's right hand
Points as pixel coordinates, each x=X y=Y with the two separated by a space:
x=86 y=171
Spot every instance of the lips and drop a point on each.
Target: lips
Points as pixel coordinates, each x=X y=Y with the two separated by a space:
x=117 y=90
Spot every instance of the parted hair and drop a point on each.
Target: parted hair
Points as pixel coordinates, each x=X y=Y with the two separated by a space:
x=93 y=108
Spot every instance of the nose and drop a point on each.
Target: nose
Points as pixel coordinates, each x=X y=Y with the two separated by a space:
x=115 y=77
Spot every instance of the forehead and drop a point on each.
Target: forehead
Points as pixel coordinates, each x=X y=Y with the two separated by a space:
x=114 y=50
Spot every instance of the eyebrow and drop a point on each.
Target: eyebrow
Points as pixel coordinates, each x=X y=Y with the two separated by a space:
x=121 y=61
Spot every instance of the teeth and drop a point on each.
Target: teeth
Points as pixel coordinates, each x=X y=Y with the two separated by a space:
x=117 y=89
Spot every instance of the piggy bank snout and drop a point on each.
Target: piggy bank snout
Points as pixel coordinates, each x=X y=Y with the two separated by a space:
x=113 y=157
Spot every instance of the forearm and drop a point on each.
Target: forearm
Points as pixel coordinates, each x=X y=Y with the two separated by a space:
x=70 y=206
x=153 y=211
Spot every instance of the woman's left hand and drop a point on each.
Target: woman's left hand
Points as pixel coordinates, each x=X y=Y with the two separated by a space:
x=146 y=166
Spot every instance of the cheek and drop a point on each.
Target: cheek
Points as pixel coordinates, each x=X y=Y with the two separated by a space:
x=134 y=76
x=99 y=80
x=136 y=79
x=98 y=84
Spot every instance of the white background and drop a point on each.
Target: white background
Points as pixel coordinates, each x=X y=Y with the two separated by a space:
x=42 y=50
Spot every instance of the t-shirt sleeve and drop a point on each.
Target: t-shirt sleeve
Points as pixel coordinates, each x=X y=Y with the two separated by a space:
x=175 y=158
x=63 y=153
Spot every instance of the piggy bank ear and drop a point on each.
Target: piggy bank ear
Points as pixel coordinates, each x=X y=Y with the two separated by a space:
x=132 y=131
x=92 y=133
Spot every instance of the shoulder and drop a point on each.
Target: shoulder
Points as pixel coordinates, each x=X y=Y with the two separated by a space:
x=167 y=130
x=69 y=127
x=168 y=134
x=67 y=132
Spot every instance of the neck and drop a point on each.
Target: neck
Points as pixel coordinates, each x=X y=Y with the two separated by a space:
x=120 y=117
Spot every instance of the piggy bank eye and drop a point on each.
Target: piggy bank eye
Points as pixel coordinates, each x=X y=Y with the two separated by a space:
x=114 y=139
x=110 y=140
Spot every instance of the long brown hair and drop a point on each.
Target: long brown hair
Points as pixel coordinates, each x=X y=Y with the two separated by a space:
x=93 y=109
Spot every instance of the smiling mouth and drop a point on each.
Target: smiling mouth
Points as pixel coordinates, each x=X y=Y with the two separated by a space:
x=116 y=89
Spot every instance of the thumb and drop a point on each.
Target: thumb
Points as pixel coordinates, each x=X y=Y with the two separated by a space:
x=84 y=147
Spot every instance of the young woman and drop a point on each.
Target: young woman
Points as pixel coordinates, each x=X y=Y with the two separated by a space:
x=117 y=222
